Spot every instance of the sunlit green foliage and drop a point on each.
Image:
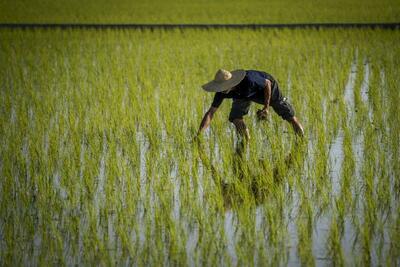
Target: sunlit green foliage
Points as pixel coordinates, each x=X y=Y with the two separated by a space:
x=202 y=11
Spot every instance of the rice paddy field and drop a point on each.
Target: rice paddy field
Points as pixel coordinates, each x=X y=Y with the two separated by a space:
x=99 y=165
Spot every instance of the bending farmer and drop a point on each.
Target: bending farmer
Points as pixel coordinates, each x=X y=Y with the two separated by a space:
x=245 y=86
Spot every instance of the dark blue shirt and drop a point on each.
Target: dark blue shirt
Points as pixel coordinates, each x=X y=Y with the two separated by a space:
x=251 y=87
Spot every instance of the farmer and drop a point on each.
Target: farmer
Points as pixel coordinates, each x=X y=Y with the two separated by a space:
x=245 y=86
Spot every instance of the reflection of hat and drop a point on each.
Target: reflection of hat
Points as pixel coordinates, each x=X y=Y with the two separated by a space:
x=224 y=80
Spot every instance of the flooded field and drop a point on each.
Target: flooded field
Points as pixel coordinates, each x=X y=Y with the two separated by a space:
x=99 y=164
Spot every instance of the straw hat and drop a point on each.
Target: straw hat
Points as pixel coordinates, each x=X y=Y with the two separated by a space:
x=224 y=80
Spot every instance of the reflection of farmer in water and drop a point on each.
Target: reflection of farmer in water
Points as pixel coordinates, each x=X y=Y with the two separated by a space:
x=243 y=87
x=249 y=183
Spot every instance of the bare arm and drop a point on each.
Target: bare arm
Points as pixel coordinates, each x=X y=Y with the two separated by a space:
x=207 y=119
x=267 y=94
x=262 y=113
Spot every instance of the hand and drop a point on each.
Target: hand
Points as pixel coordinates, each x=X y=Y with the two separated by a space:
x=262 y=114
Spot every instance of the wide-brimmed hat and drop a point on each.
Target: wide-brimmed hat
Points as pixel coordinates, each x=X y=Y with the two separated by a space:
x=224 y=80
